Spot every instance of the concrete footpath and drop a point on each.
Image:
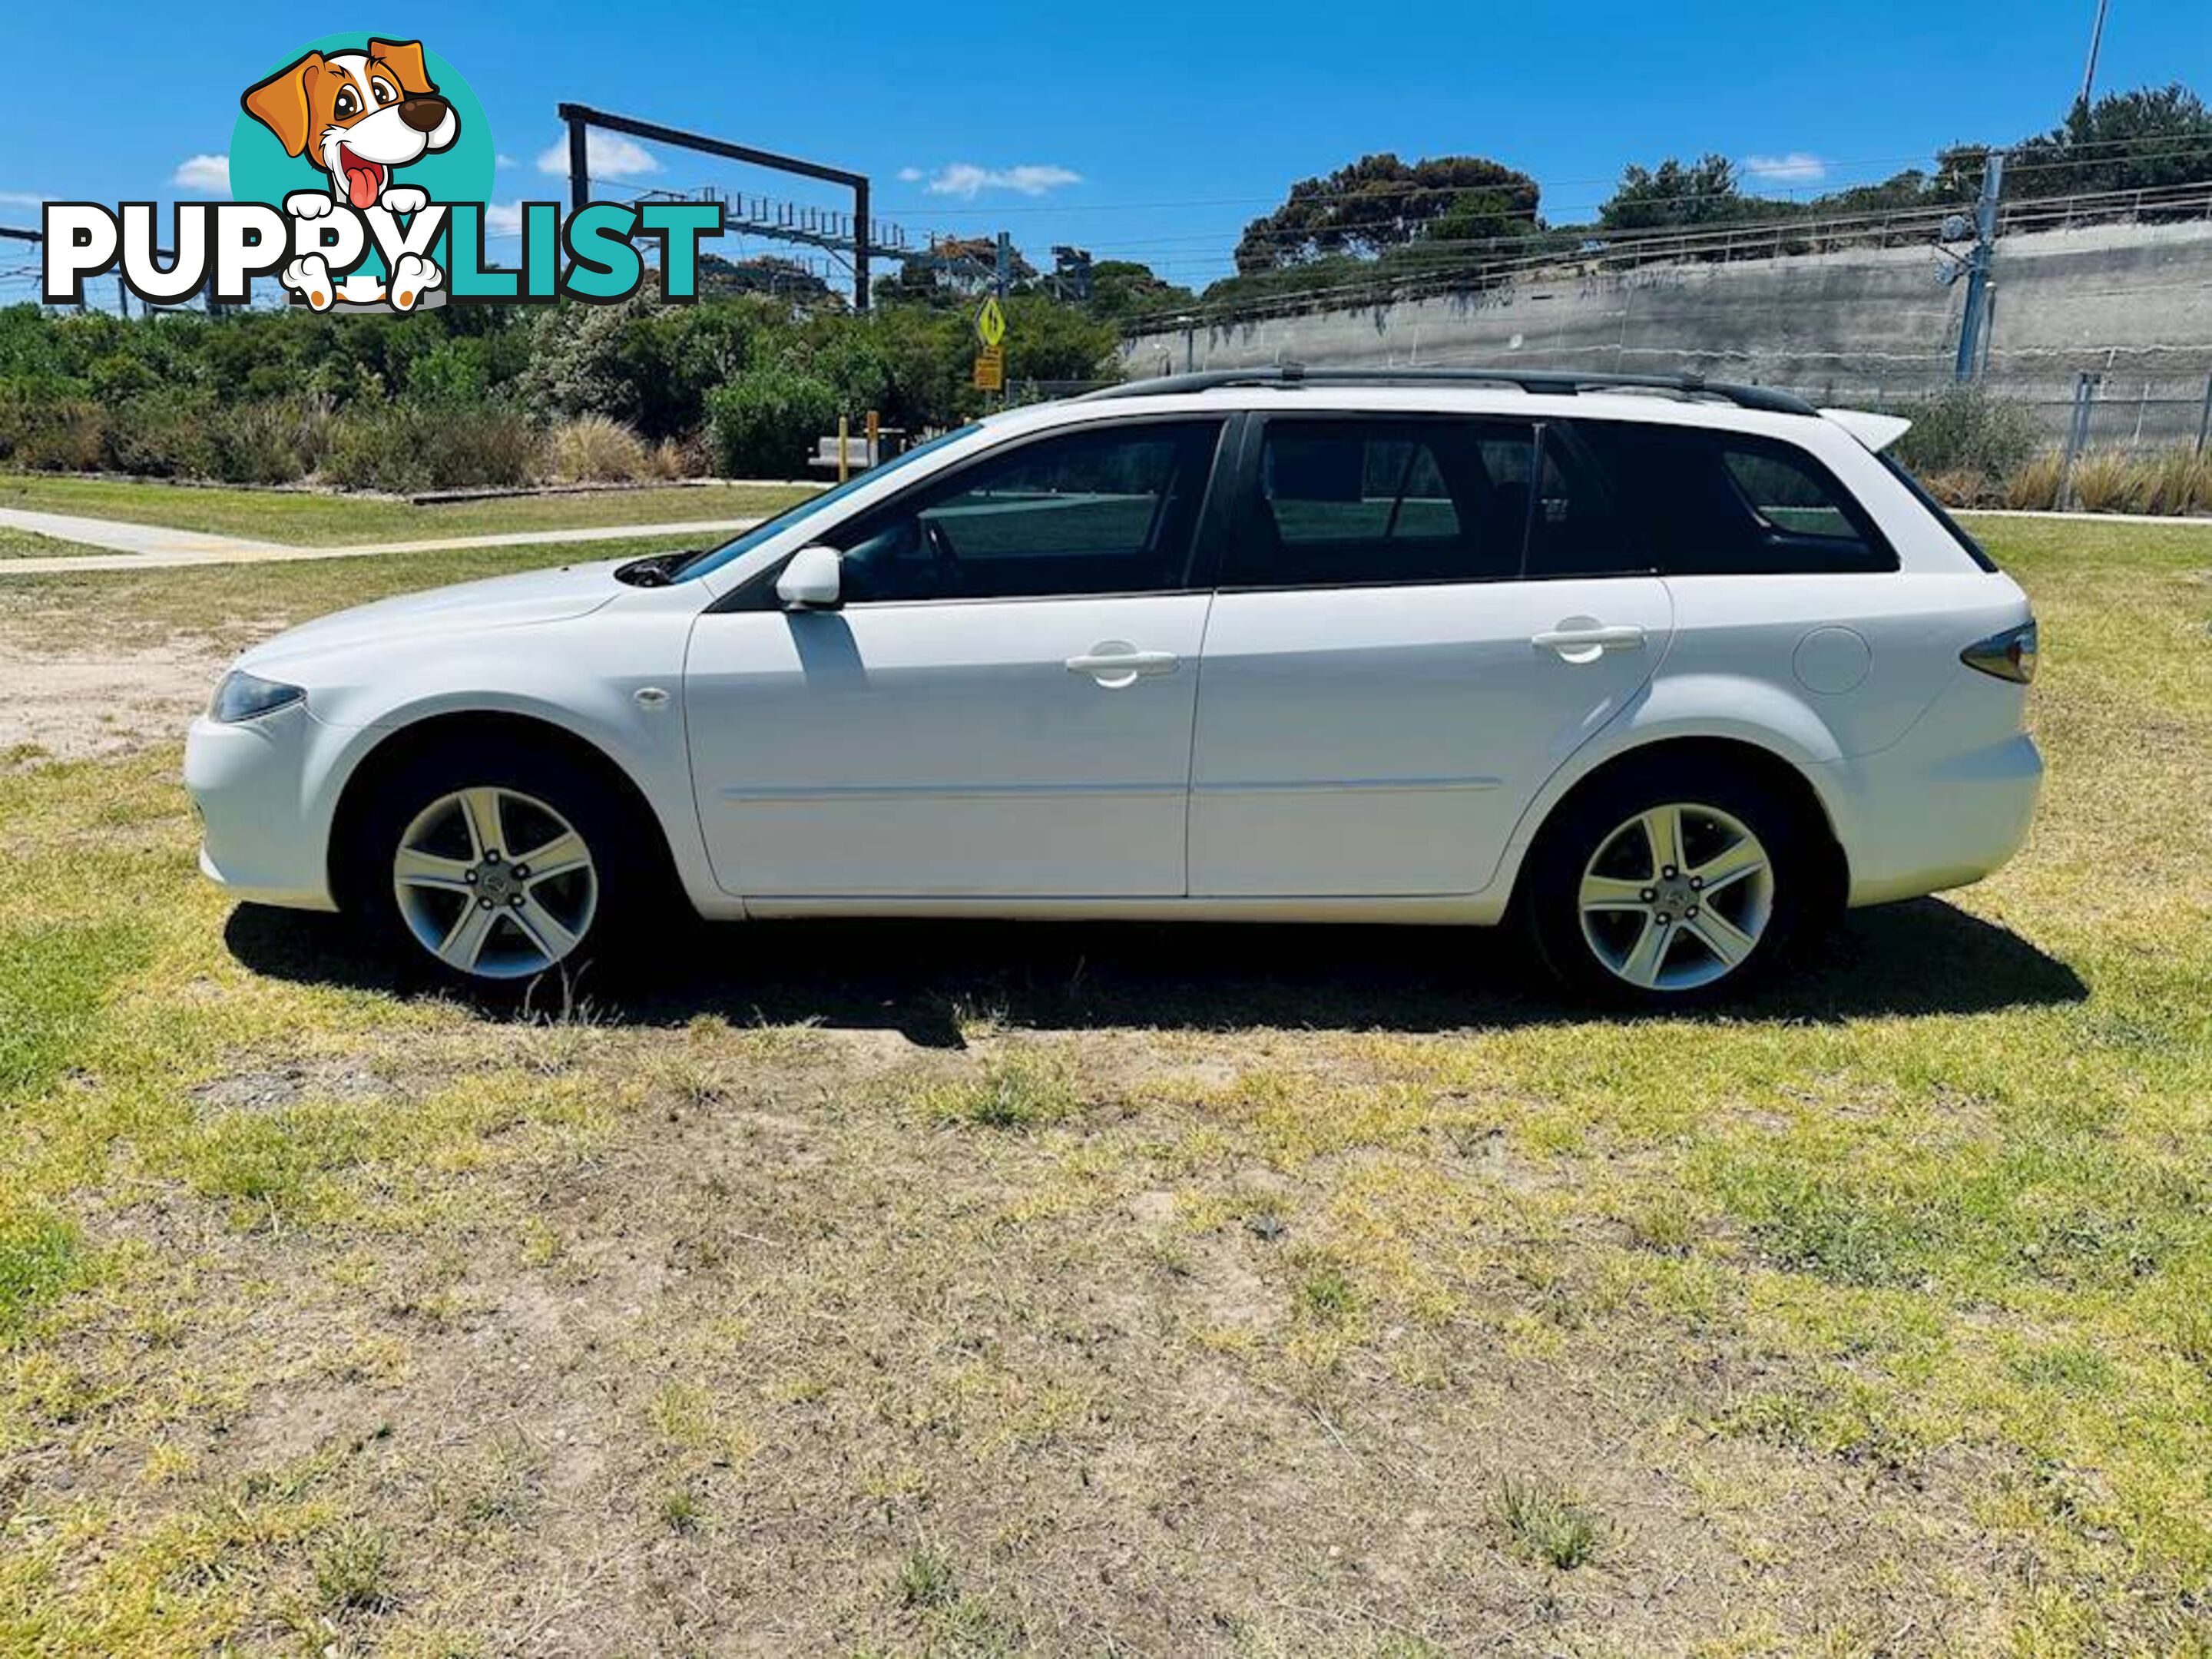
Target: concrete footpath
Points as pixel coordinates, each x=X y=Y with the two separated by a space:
x=153 y=547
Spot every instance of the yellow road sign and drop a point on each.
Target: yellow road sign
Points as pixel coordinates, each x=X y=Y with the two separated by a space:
x=991 y=324
x=991 y=369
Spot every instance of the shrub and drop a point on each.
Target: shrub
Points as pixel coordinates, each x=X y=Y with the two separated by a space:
x=274 y=443
x=40 y=433
x=402 y=447
x=672 y=460
x=765 y=425
x=593 y=449
x=1967 y=429
x=170 y=434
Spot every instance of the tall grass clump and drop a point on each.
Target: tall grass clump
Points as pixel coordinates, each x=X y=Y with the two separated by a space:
x=2180 y=481
x=597 y=449
x=2037 y=484
x=2109 y=481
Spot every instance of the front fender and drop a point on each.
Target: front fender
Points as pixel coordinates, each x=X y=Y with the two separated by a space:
x=531 y=674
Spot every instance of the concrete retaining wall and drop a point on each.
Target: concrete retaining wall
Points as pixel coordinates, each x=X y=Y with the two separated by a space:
x=1866 y=325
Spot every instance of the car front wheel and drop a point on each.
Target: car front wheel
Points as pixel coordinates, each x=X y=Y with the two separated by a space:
x=489 y=870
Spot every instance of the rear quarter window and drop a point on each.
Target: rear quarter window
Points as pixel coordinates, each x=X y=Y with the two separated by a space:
x=1715 y=503
x=1952 y=527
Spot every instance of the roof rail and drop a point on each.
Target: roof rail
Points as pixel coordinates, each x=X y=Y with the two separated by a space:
x=1552 y=382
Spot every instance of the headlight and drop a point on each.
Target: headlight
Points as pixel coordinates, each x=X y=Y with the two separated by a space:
x=243 y=696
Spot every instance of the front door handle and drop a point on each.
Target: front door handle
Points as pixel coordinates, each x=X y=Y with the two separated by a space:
x=1576 y=640
x=1115 y=663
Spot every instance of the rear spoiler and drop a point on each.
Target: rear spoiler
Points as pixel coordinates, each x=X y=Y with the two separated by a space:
x=1876 y=432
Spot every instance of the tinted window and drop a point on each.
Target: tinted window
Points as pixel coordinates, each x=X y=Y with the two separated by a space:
x=1358 y=503
x=1111 y=510
x=1575 y=530
x=1724 y=503
x=1975 y=551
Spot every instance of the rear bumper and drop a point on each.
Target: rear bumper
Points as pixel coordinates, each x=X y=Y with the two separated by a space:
x=248 y=784
x=1914 y=821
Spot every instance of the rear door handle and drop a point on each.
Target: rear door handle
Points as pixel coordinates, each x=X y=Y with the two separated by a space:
x=1587 y=643
x=1114 y=664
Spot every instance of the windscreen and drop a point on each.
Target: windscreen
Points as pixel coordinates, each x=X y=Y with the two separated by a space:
x=729 y=552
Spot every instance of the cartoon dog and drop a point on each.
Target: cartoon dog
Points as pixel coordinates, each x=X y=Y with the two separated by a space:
x=361 y=114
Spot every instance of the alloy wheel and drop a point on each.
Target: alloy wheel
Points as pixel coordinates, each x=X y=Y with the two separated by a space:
x=1676 y=897
x=493 y=882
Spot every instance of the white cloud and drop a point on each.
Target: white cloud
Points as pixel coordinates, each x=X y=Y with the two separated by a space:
x=22 y=198
x=203 y=173
x=504 y=160
x=967 y=180
x=910 y=175
x=502 y=218
x=1795 y=168
x=609 y=155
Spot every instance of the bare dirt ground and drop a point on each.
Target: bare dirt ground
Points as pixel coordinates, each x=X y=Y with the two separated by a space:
x=72 y=707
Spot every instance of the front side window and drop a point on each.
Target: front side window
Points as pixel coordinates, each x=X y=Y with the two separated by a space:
x=1352 y=503
x=1709 y=503
x=1109 y=510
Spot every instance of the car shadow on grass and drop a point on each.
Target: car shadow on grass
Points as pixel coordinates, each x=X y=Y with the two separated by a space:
x=924 y=979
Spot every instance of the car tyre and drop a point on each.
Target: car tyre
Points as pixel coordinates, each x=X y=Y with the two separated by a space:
x=1668 y=884
x=503 y=871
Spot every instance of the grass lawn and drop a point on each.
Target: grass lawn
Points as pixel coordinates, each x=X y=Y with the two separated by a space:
x=26 y=545
x=232 y=605
x=303 y=520
x=864 y=1289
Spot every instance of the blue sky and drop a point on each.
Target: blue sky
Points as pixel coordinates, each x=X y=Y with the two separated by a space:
x=1146 y=130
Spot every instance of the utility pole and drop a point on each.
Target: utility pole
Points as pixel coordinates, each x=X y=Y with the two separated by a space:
x=2096 y=41
x=1975 y=320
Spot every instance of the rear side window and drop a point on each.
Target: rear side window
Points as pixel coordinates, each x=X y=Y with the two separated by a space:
x=1354 y=503
x=1706 y=503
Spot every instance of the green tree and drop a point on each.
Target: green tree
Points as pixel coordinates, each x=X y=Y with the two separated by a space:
x=1380 y=202
x=2140 y=140
x=1678 y=196
x=1122 y=289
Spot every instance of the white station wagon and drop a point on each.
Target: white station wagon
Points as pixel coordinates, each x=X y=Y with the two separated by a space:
x=1665 y=672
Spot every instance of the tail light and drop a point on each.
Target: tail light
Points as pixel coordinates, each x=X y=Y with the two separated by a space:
x=2009 y=655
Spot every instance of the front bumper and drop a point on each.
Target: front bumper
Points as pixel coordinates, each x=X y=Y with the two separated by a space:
x=260 y=840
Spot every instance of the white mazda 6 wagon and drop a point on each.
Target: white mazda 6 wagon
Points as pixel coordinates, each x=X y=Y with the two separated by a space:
x=1666 y=671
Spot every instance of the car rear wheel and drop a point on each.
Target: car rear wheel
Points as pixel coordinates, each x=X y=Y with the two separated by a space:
x=1668 y=886
x=493 y=870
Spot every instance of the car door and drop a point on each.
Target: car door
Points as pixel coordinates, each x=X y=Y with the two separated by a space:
x=1000 y=705
x=1387 y=681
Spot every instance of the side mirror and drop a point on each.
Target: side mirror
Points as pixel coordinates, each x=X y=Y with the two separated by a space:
x=811 y=580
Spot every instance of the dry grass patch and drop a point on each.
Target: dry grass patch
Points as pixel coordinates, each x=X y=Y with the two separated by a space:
x=910 y=1289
